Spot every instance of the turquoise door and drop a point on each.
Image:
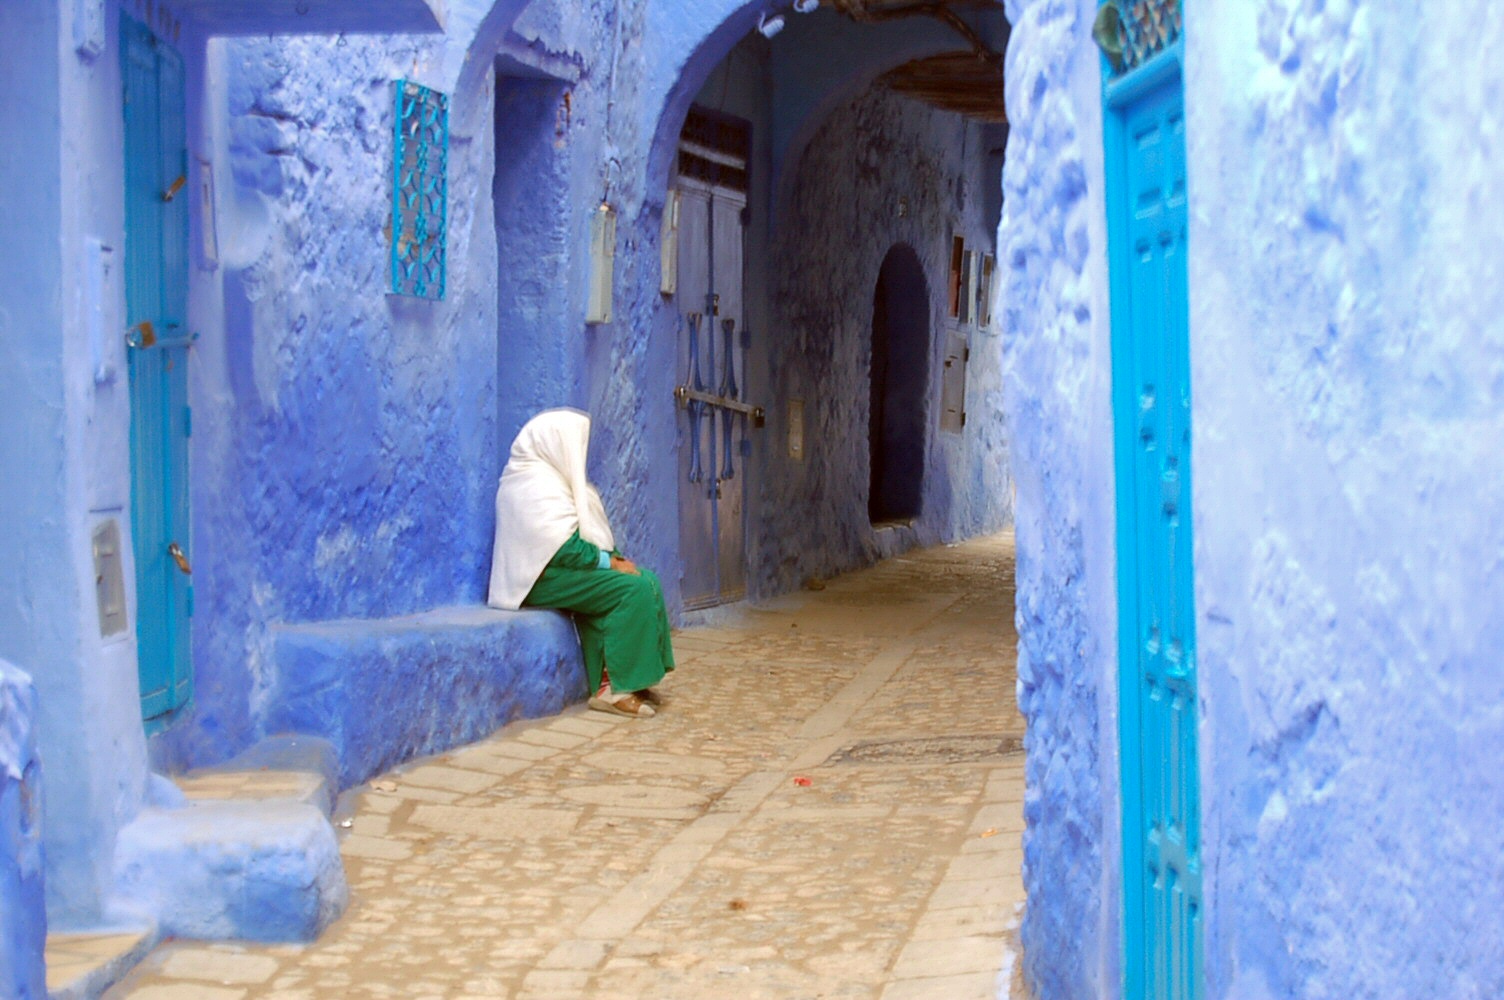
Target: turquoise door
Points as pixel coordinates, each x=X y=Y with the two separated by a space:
x=156 y=300
x=1147 y=217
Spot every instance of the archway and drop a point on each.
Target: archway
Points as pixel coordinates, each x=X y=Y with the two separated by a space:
x=899 y=377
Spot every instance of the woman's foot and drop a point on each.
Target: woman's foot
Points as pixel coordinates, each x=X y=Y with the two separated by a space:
x=621 y=703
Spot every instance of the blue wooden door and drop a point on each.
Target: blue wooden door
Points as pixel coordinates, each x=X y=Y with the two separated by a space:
x=156 y=298
x=1151 y=383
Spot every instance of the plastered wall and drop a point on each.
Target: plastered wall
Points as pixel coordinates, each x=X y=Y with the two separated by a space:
x=884 y=170
x=1346 y=406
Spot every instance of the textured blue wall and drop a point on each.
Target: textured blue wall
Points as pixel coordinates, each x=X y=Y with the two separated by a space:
x=884 y=170
x=1348 y=364
x=64 y=459
x=347 y=443
x=345 y=450
x=23 y=918
x=1057 y=401
x=1348 y=409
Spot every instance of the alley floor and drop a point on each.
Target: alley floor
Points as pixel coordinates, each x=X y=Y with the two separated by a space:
x=830 y=805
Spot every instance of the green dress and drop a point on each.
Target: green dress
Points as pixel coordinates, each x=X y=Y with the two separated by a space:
x=621 y=618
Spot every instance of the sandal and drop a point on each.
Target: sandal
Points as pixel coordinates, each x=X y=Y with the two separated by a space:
x=627 y=704
x=651 y=697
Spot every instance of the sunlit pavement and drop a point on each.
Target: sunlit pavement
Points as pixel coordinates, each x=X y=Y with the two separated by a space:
x=830 y=805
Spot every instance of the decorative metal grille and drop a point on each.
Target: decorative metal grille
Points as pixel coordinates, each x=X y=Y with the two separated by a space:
x=1142 y=29
x=420 y=191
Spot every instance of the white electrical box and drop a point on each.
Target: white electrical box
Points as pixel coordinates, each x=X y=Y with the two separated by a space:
x=668 y=246
x=796 y=429
x=602 y=264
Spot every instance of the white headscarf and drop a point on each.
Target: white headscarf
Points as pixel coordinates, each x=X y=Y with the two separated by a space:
x=543 y=498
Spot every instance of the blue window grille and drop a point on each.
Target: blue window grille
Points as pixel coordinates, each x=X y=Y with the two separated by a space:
x=420 y=191
x=1131 y=32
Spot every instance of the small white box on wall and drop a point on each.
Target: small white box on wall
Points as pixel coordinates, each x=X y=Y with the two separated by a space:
x=668 y=246
x=602 y=264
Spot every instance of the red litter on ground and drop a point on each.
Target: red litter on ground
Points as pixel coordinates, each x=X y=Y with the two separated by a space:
x=803 y=782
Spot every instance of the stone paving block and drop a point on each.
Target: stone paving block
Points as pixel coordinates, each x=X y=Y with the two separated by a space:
x=971 y=986
x=997 y=816
x=451 y=779
x=1001 y=841
x=356 y=845
x=576 y=954
x=551 y=738
x=377 y=802
x=950 y=956
x=964 y=921
x=498 y=822
x=219 y=967
x=555 y=982
x=481 y=759
x=622 y=793
x=972 y=892
x=184 y=991
x=521 y=751
x=416 y=793
x=996 y=864
x=581 y=726
x=650 y=763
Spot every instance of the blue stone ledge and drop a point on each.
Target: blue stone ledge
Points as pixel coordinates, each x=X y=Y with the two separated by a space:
x=23 y=919
x=384 y=691
x=223 y=870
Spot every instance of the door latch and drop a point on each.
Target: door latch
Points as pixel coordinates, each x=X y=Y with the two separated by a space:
x=142 y=335
x=176 y=551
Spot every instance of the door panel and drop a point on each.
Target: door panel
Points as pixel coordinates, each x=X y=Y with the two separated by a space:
x=712 y=480
x=697 y=551
x=727 y=234
x=156 y=276
x=1161 y=807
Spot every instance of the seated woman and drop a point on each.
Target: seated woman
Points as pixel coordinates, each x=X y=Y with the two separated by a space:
x=554 y=549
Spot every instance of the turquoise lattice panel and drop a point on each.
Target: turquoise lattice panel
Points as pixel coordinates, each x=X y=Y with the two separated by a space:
x=420 y=191
x=1137 y=30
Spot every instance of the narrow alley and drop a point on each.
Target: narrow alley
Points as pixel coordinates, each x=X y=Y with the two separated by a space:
x=829 y=806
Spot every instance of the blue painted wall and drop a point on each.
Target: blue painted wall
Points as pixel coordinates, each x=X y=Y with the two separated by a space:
x=23 y=917
x=64 y=455
x=347 y=443
x=1057 y=399
x=884 y=170
x=1348 y=404
x=1348 y=364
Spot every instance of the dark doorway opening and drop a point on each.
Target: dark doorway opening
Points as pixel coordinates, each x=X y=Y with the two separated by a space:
x=900 y=372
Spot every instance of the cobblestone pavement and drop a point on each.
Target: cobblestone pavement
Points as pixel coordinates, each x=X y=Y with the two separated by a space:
x=829 y=806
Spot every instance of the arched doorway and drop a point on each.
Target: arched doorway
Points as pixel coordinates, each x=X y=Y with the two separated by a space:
x=899 y=377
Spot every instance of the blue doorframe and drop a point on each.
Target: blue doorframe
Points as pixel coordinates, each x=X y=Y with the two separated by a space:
x=156 y=298
x=1147 y=224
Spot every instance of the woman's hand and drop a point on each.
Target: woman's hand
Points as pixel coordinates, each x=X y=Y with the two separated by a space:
x=624 y=565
